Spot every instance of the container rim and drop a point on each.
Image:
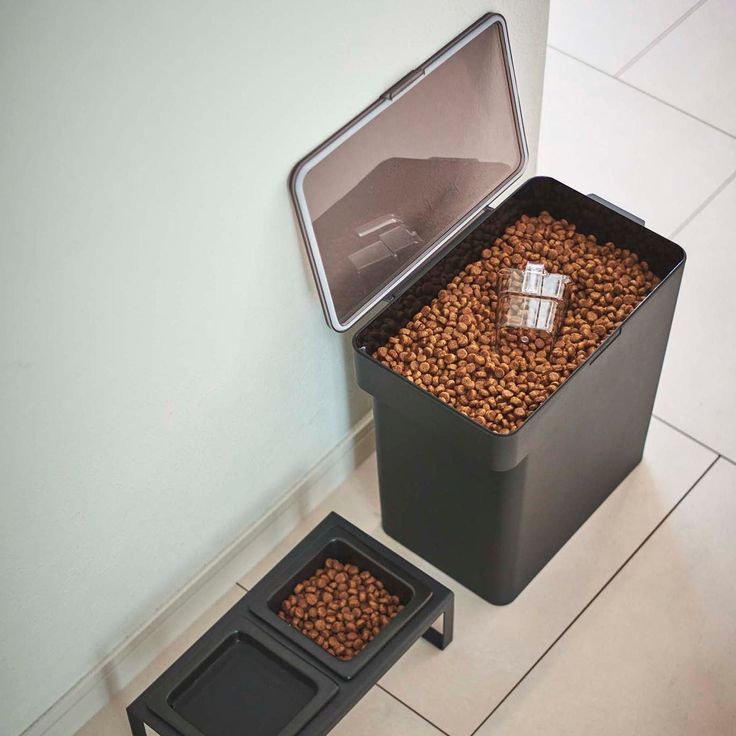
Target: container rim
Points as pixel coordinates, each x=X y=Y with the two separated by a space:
x=586 y=363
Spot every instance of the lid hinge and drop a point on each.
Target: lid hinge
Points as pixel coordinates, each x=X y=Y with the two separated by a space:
x=408 y=80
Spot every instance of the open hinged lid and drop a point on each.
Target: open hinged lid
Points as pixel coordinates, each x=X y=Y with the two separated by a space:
x=388 y=190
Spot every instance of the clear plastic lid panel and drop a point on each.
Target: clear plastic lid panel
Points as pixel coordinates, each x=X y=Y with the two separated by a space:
x=391 y=188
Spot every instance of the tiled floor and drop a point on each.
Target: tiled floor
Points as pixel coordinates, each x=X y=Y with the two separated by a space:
x=630 y=629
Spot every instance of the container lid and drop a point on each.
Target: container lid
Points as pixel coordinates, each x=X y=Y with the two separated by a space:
x=386 y=192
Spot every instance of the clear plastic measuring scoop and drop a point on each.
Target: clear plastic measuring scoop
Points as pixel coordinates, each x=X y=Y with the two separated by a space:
x=531 y=306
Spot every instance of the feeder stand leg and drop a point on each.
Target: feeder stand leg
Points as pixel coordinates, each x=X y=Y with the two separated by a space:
x=442 y=639
x=137 y=728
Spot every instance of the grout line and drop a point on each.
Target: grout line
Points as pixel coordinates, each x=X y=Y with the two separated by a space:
x=683 y=432
x=641 y=91
x=416 y=712
x=662 y=35
x=690 y=437
x=594 y=598
x=703 y=205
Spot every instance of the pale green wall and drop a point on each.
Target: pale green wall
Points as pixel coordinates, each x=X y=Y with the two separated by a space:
x=166 y=372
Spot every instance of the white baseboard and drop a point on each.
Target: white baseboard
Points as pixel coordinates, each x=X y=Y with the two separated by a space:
x=68 y=714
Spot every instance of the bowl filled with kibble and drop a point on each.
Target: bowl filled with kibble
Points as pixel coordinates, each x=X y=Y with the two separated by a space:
x=342 y=602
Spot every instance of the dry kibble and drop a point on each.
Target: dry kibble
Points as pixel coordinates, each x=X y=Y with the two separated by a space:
x=448 y=347
x=344 y=626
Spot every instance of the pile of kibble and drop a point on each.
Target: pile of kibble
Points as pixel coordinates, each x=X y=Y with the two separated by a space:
x=341 y=608
x=449 y=348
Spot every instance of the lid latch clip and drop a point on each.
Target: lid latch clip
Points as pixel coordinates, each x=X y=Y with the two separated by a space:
x=383 y=239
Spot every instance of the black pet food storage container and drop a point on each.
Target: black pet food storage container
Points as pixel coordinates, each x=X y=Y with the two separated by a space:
x=391 y=208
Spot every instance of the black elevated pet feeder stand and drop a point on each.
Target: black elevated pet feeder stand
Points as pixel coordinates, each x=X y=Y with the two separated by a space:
x=253 y=673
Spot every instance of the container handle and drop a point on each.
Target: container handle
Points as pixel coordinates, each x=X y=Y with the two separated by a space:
x=616 y=208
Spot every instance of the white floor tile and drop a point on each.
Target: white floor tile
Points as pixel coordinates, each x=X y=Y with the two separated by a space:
x=695 y=391
x=598 y=135
x=694 y=66
x=378 y=714
x=656 y=652
x=608 y=34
